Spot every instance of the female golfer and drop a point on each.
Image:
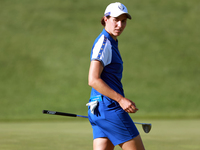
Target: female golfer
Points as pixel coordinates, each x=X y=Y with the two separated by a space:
x=108 y=108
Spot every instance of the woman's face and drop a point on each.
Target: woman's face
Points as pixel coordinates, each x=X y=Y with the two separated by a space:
x=115 y=25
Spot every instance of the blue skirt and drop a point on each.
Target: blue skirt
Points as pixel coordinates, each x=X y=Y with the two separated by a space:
x=111 y=121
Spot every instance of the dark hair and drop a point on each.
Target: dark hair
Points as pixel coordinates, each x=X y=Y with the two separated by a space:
x=103 y=22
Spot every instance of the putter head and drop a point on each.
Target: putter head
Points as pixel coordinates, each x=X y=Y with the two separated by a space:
x=146 y=127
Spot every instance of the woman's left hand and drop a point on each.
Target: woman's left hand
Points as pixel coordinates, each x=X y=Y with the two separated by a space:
x=128 y=105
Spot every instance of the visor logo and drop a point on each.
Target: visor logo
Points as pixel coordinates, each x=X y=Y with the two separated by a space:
x=121 y=7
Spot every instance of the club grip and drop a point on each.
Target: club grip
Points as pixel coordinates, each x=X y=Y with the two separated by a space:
x=58 y=113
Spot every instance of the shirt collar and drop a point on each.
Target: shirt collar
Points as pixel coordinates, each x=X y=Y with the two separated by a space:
x=109 y=37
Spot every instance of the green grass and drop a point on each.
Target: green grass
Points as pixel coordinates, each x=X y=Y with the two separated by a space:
x=70 y=135
x=45 y=48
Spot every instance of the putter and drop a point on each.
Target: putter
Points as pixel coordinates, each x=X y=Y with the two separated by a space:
x=146 y=126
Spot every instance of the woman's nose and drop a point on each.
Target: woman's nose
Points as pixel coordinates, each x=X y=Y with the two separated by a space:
x=119 y=23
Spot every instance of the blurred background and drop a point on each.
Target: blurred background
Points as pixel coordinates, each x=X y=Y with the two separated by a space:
x=45 y=54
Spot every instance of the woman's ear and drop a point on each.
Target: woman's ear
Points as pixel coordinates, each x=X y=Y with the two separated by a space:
x=105 y=19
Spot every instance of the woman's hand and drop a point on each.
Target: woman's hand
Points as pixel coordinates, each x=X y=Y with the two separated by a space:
x=128 y=105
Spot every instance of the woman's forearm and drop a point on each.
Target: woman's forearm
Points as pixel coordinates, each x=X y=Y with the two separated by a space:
x=103 y=88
